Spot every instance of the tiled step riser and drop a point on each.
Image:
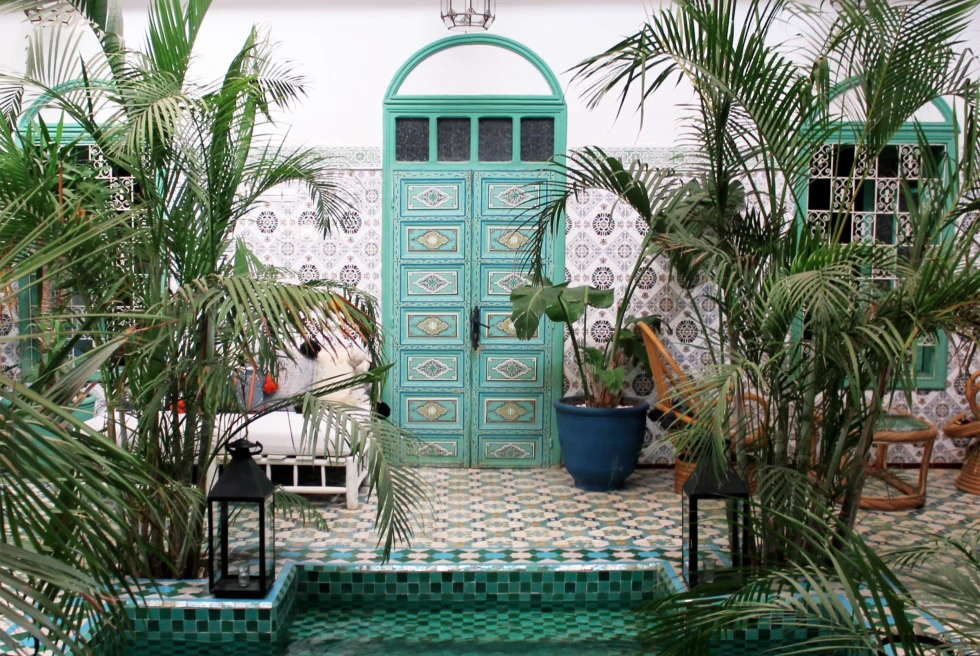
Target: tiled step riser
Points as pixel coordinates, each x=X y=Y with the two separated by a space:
x=225 y=621
x=521 y=586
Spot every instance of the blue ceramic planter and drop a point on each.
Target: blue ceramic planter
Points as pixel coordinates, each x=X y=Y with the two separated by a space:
x=600 y=446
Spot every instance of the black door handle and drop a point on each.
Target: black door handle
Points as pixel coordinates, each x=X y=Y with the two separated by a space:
x=475 y=326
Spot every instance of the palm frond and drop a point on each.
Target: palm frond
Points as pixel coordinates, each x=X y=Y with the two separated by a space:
x=400 y=489
x=172 y=31
x=740 y=71
x=829 y=596
x=38 y=619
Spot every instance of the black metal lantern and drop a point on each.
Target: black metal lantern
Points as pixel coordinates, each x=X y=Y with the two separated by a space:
x=468 y=15
x=242 y=527
x=714 y=509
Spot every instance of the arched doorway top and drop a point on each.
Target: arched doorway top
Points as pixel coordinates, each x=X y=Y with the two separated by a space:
x=472 y=40
x=939 y=103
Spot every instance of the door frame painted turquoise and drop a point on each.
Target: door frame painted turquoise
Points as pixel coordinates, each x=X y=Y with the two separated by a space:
x=551 y=105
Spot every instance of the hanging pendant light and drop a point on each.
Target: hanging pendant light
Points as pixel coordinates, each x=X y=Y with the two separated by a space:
x=468 y=15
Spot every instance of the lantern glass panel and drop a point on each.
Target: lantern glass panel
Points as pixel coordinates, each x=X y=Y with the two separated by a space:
x=270 y=540
x=712 y=548
x=238 y=535
x=468 y=15
x=719 y=539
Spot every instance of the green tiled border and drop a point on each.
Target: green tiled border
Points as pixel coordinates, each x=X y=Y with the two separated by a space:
x=209 y=620
x=175 y=620
x=482 y=584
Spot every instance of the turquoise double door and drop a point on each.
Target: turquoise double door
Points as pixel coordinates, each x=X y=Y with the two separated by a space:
x=463 y=383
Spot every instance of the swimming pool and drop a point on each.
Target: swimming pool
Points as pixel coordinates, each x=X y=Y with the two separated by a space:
x=427 y=610
x=434 y=630
x=483 y=610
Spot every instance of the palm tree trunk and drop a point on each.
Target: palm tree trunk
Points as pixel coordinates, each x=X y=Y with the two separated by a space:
x=205 y=443
x=855 y=484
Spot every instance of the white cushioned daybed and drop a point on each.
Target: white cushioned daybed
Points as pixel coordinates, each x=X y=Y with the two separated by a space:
x=280 y=432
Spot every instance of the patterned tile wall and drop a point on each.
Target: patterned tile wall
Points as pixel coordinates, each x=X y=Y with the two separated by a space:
x=602 y=239
x=282 y=233
x=602 y=242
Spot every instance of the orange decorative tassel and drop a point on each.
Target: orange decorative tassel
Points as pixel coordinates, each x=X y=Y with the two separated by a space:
x=270 y=387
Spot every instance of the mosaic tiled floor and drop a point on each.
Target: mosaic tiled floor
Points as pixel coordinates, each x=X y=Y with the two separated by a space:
x=538 y=516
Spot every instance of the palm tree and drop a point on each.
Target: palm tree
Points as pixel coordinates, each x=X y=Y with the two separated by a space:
x=802 y=321
x=197 y=304
x=68 y=556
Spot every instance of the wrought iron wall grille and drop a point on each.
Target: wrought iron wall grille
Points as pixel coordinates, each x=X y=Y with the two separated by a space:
x=864 y=199
x=122 y=186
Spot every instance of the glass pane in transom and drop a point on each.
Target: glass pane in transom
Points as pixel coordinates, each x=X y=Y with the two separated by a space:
x=453 y=137
x=496 y=139
x=412 y=139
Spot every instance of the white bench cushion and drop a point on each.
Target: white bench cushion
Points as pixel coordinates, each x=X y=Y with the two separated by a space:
x=280 y=434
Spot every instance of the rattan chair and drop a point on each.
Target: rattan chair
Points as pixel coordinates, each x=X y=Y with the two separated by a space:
x=966 y=425
x=677 y=399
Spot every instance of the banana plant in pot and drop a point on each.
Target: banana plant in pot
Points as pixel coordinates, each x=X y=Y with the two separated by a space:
x=601 y=431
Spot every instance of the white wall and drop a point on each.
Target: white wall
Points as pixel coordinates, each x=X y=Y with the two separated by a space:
x=350 y=49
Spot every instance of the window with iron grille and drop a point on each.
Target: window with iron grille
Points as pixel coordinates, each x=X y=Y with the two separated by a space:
x=858 y=198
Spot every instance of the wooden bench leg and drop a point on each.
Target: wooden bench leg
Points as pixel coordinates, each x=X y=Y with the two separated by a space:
x=881 y=458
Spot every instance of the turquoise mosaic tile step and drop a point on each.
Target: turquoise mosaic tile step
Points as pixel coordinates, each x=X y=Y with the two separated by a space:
x=465 y=586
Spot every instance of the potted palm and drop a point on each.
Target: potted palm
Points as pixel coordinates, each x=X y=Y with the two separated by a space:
x=601 y=430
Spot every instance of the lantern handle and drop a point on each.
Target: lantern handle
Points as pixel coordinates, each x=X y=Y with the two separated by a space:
x=242 y=448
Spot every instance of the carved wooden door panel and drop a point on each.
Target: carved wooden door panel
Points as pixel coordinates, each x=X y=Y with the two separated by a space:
x=463 y=383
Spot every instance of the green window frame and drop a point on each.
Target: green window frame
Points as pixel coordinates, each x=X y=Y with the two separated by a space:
x=28 y=297
x=932 y=359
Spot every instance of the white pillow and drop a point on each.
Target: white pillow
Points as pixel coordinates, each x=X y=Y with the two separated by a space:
x=335 y=366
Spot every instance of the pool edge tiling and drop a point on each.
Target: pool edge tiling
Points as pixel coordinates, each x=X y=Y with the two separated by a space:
x=523 y=584
x=208 y=619
x=195 y=619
